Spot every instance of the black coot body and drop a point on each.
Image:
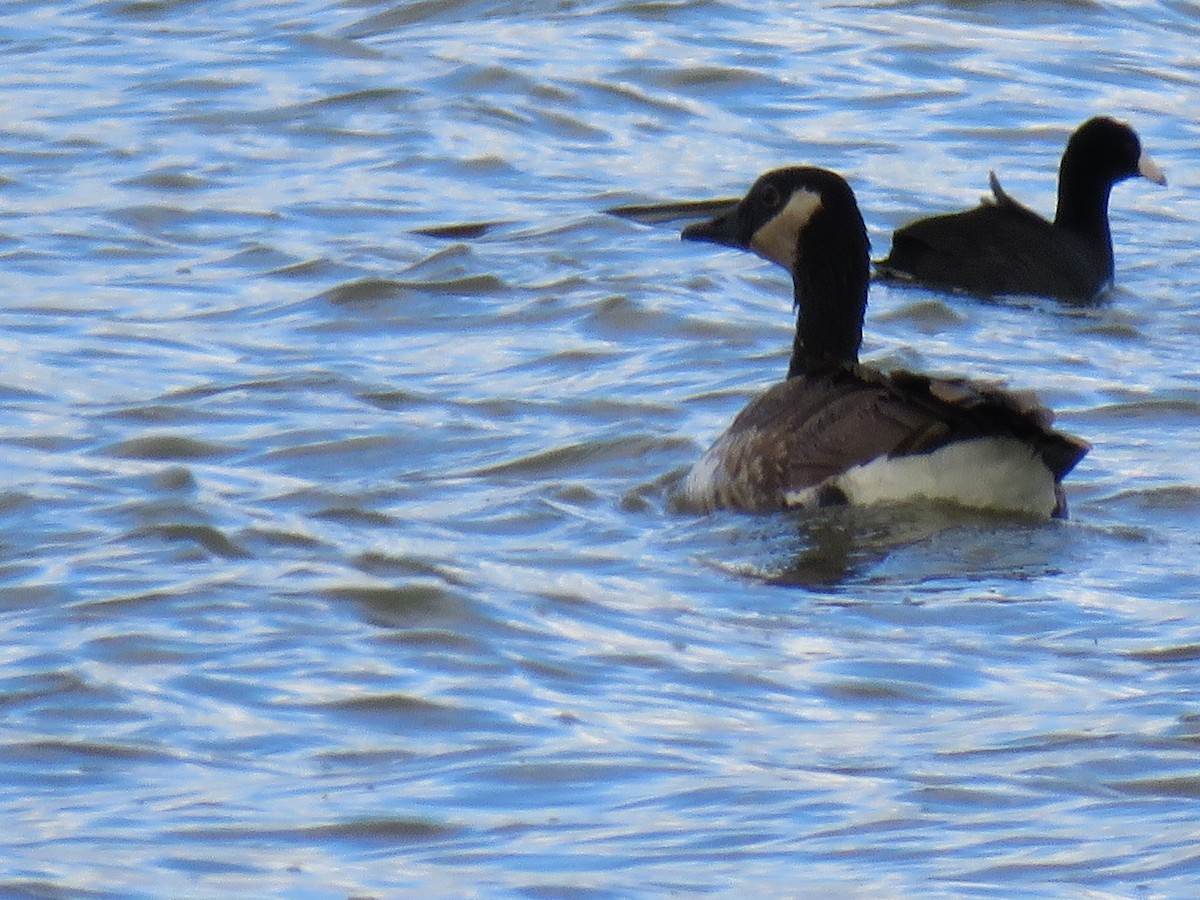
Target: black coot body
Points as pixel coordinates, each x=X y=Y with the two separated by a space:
x=1002 y=247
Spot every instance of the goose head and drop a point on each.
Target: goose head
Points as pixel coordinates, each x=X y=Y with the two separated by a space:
x=806 y=220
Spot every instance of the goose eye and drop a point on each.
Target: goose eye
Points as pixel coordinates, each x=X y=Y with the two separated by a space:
x=770 y=196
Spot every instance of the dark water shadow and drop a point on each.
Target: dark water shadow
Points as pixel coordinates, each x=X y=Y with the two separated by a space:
x=843 y=550
x=838 y=546
x=462 y=231
x=674 y=211
x=1103 y=299
x=644 y=214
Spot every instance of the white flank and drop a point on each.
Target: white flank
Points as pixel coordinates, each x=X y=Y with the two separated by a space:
x=710 y=483
x=703 y=479
x=1000 y=474
x=776 y=240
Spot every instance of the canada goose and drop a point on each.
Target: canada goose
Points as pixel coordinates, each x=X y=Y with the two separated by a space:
x=837 y=431
x=1002 y=247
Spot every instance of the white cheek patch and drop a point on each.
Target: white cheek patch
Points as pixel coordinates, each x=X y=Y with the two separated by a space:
x=776 y=240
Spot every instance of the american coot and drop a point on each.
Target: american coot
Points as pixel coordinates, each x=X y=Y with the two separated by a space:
x=839 y=432
x=1002 y=247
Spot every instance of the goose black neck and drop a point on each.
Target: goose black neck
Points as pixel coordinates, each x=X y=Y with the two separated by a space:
x=830 y=280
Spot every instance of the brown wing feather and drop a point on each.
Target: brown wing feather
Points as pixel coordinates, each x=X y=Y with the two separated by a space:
x=861 y=423
x=805 y=430
x=972 y=409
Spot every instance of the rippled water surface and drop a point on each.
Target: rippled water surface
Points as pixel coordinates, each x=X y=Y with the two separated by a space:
x=338 y=559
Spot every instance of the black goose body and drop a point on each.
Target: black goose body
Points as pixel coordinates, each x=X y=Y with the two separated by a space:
x=837 y=431
x=1003 y=247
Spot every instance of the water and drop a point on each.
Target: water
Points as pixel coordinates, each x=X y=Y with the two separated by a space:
x=339 y=560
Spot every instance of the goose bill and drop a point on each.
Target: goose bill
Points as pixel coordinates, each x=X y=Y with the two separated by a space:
x=721 y=230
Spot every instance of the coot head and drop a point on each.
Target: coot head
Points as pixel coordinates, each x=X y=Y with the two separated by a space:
x=1109 y=151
